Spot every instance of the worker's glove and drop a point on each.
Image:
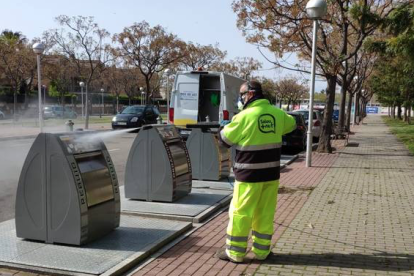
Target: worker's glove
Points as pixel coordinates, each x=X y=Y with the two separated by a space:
x=224 y=122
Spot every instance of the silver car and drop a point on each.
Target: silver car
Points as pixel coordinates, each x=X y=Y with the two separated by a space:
x=58 y=112
x=317 y=121
x=2 y=116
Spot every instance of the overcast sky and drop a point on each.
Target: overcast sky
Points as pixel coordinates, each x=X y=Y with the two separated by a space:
x=203 y=22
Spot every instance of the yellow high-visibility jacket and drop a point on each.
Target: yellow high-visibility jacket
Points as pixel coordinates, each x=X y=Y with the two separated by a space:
x=256 y=132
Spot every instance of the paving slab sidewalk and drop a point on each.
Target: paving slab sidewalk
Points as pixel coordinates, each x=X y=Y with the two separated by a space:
x=359 y=220
x=195 y=254
x=350 y=214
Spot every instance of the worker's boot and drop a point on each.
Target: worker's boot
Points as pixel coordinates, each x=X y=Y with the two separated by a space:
x=222 y=255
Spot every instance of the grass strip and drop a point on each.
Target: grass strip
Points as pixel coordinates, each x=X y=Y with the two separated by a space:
x=402 y=130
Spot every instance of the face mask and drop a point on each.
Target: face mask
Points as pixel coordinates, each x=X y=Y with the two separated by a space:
x=240 y=103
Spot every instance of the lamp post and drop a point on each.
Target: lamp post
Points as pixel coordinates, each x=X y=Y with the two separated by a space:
x=86 y=107
x=103 y=107
x=142 y=95
x=167 y=94
x=315 y=9
x=44 y=94
x=38 y=49
x=82 y=84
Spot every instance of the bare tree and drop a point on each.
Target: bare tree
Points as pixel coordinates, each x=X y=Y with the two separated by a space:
x=242 y=67
x=111 y=79
x=290 y=90
x=151 y=50
x=200 y=56
x=83 y=43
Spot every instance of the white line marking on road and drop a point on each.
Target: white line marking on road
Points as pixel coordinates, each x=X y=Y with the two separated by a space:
x=113 y=149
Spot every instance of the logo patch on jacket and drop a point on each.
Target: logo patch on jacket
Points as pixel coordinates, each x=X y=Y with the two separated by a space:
x=267 y=123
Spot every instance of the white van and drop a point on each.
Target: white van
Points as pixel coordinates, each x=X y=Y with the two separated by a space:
x=200 y=96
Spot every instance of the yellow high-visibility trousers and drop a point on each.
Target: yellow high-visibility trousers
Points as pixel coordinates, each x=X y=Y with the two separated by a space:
x=252 y=208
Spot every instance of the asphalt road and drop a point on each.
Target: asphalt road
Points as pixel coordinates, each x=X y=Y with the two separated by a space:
x=13 y=154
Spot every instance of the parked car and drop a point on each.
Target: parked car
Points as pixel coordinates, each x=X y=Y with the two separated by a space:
x=2 y=116
x=135 y=116
x=317 y=121
x=335 y=116
x=56 y=111
x=297 y=138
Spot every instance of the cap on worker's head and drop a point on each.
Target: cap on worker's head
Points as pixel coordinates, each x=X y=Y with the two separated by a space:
x=254 y=86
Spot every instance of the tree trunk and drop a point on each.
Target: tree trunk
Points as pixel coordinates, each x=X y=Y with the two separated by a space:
x=363 y=110
x=117 y=104
x=147 y=94
x=393 y=112
x=325 y=137
x=26 y=99
x=15 y=106
x=344 y=88
x=399 y=111
x=348 y=113
x=357 y=108
x=405 y=114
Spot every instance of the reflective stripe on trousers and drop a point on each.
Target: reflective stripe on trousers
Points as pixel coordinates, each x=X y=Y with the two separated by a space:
x=253 y=207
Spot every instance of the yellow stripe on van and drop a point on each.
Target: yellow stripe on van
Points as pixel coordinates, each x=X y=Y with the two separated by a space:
x=184 y=122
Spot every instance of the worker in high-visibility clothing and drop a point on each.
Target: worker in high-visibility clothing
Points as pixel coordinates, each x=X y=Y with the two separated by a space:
x=256 y=132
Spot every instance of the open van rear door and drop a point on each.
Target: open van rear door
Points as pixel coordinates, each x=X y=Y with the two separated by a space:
x=186 y=99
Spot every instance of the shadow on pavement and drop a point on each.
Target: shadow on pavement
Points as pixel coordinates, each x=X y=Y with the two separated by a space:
x=380 y=261
x=375 y=154
x=359 y=167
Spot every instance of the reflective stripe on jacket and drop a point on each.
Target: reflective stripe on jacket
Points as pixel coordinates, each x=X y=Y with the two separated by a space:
x=256 y=132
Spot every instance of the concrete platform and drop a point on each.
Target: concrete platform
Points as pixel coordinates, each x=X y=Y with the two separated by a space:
x=134 y=240
x=223 y=184
x=196 y=207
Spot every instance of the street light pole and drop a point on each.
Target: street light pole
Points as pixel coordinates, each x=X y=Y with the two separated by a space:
x=315 y=10
x=86 y=107
x=142 y=94
x=167 y=94
x=311 y=95
x=38 y=48
x=102 y=108
x=82 y=84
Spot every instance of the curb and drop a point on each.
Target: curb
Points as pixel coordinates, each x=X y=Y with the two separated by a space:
x=296 y=156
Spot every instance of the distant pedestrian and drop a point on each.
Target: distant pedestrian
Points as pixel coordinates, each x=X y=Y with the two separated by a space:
x=256 y=132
